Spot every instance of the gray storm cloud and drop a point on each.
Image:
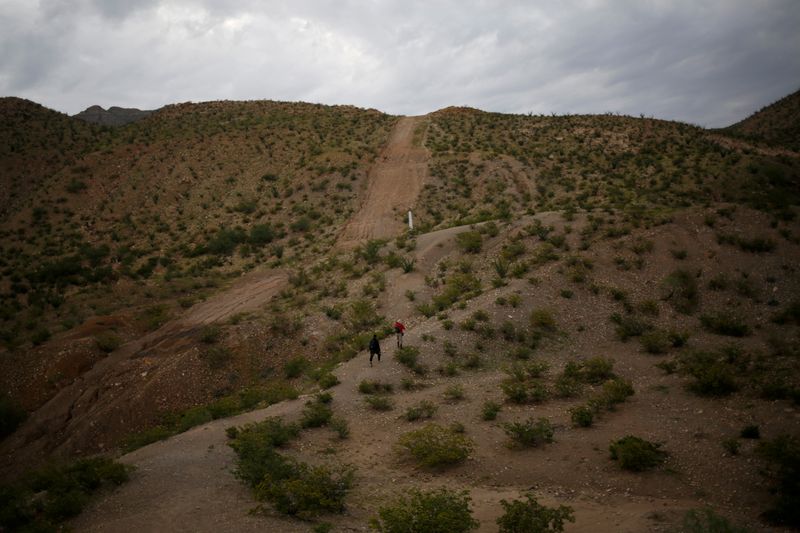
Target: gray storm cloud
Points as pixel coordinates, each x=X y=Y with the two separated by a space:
x=708 y=62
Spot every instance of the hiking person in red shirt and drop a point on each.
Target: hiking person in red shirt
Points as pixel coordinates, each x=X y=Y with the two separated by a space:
x=399 y=329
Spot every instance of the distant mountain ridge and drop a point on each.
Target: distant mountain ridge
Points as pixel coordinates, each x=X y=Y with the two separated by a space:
x=113 y=116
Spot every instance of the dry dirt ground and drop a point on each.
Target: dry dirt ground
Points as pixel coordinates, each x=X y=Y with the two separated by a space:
x=186 y=483
x=394 y=184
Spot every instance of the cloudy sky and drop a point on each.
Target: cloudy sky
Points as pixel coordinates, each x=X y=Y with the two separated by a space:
x=708 y=62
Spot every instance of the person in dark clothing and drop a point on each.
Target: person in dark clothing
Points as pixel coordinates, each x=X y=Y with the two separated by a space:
x=374 y=349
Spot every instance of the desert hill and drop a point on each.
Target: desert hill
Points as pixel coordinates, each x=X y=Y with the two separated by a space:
x=777 y=124
x=212 y=258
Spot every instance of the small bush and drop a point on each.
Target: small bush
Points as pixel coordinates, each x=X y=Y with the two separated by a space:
x=441 y=510
x=316 y=414
x=750 y=432
x=725 y=323
x=783 y=458
x=680 y=290
x=423 y=410
x=597 y=370
x=295 y=367
x=636 y=454
x=210 y=334
x=530 y=516
x=582 y=416
x=454 y=393
x=490 y=410
x=375 y=387
x=108 y=341
x=656 y=341
x=731 y=446
x=328 y=380
x=379 y=403
x=407 y=356
x=435 y=446
x=630 y=326
x=470 y=241
x=340 y=426
x=543 y=319
x=707 y=521
x=61 y=492
x=11 y=416
x=529 y=434
x=217 y=356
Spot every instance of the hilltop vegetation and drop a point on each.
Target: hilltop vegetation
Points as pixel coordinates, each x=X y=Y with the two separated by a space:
x=777 y=124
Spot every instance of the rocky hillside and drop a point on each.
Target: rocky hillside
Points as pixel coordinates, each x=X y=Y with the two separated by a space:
x=778 y=124
x=212 y=258
x=113 y=116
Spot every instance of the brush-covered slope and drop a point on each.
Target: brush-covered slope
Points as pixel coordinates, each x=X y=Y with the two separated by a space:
x=777 y=124
x=639 y=241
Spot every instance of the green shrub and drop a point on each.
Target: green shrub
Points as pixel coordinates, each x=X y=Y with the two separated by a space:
x=328 y=380
x=680 y=290
x=783 y=459
x=108 y=341
x=423 y=410
x=210 y=334
x=725 y=323
x=44 y=499
x=630 y=326
x=379 y=403
x=305 y=491
x=407 y=356
x=529 y=434
x=11 y=416
x=293 y=487
x=470 y=241
x=543 y=319
x=713 y=376
x=615 y=391
x=454 y=393
x=340 y=426
x=375 y=387
x=315 y=414
x=434 y=446
x=636 y=454
x=656 y=341
x=582 y=416
x=530 y=516
x=295 y=367
x=440 y=510
x=707 y=521
x=597 y=369
x=490 y=410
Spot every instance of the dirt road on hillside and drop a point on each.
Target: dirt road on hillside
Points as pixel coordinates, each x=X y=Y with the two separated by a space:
x=100 y=405
x=394 y=184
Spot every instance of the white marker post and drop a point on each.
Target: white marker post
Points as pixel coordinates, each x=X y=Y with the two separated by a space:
x=410 y=220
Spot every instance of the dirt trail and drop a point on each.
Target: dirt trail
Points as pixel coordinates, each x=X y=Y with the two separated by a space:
x=395 y=181
x=104 y=400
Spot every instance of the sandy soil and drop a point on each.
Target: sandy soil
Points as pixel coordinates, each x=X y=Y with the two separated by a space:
x=395 y=181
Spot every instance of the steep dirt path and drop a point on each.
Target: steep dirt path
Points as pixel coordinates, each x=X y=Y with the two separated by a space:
x=395 y=182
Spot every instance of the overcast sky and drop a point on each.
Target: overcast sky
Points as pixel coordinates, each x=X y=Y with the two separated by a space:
x=708 y=62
